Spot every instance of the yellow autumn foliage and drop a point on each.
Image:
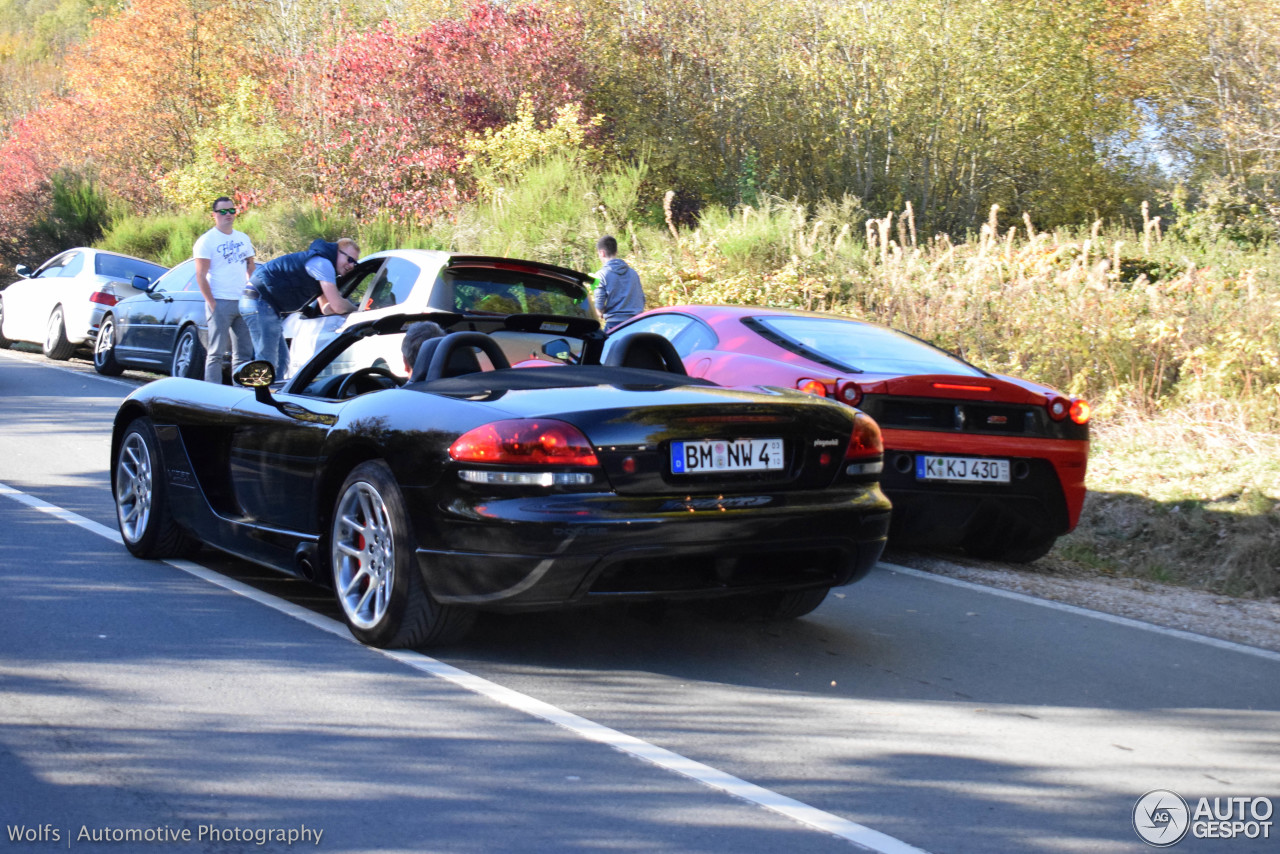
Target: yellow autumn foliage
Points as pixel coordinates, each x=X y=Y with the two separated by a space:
x=503 y=156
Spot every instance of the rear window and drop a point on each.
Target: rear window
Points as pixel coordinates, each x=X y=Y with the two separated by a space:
x=490 y=291
x=124 y=269
x=860 y=346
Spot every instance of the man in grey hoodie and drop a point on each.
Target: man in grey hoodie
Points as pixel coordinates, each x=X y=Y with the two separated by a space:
x=618 y=294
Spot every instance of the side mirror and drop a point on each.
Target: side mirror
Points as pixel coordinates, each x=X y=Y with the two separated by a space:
x=141 y=283
x=23 y=270
x=257 y=375
x=559 y=350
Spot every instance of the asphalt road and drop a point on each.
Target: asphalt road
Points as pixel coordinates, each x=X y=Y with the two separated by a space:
x=908 y=713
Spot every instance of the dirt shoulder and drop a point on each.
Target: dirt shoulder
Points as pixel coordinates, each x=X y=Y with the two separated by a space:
x=1254 y=622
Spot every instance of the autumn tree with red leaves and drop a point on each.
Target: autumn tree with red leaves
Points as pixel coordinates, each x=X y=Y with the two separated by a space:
x=400 y=104
x=29 y=158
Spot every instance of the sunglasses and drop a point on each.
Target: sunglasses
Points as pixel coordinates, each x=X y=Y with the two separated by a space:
x=349 y=258
x=227 y=211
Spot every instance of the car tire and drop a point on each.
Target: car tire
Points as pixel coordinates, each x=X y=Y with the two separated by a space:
x=997 y=543
x=188 y=355
x=782 y=605
x=142 y=503
x=56 y=344
x=373 y=560
x=4 y=342
x=104 y=349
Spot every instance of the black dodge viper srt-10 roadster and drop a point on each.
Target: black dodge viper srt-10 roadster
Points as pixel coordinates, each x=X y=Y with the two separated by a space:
x=475 y=485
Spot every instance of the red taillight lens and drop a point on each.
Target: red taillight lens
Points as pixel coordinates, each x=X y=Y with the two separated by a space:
x=1058 y=408
x=849 y=392
x=810 y=386
x=866 y=441
x=525 y=442
x=1080 y=411
x=103 y=298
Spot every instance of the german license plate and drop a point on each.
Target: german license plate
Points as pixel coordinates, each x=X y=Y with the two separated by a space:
x=726 y=455
x=962 y=468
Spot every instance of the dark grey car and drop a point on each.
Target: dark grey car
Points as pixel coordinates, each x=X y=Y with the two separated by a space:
x=162 y=330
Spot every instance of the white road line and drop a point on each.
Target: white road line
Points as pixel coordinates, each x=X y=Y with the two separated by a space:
x=56 y=511
x=1085 y=612
x=860 y=835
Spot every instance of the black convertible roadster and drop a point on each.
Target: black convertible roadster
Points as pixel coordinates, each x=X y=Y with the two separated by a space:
x=474 y=485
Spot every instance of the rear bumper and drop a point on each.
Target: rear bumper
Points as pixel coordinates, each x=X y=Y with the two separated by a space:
x=547 y=552
x=1046 y=493
x=937 y=513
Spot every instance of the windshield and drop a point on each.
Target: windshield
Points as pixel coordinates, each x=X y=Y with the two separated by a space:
x=860 y=346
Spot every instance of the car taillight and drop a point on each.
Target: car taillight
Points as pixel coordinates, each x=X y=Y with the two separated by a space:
x=1080 y=411
x=103 y=298
x=865 y=454
x=525 y=442
x=866 y=441
x=812 y=386
x=1058 y=408
x=849 y=392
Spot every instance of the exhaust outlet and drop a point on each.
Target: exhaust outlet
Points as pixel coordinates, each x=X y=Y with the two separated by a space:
x=304 y=559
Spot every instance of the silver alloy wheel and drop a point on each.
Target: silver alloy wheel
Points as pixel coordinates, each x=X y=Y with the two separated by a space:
x=53 y=333
x=106 y=340
x=134 y=488
x=363 y=555
x=182 y=354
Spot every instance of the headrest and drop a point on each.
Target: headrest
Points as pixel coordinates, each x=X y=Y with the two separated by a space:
x=423 y=360
x=647 y=350
x=452 y=356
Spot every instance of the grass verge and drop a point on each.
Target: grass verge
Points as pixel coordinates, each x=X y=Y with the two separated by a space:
x=1185 y=497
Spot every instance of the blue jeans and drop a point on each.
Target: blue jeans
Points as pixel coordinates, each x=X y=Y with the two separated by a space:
x=267 y=333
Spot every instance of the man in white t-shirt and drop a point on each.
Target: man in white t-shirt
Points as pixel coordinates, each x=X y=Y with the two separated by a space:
x=224 y=262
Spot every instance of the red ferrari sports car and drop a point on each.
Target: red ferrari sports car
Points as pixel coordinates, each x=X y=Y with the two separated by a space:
x=991 y=463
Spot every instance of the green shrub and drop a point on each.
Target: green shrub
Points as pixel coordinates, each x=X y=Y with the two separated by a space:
x=163 y=238
x=80 y=212
x=554 y=213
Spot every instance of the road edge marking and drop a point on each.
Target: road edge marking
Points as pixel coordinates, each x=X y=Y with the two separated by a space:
x=1130 y=622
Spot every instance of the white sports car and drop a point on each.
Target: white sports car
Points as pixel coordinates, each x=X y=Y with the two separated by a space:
x=60 y=305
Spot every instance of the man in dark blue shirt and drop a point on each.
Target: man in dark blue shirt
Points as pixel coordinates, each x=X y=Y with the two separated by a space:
x=288 y=283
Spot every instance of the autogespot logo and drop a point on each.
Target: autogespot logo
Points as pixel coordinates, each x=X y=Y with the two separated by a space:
x=1161 y=818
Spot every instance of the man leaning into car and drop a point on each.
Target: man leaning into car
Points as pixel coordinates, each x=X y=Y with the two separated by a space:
x=224 y=261
x=287 y=284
